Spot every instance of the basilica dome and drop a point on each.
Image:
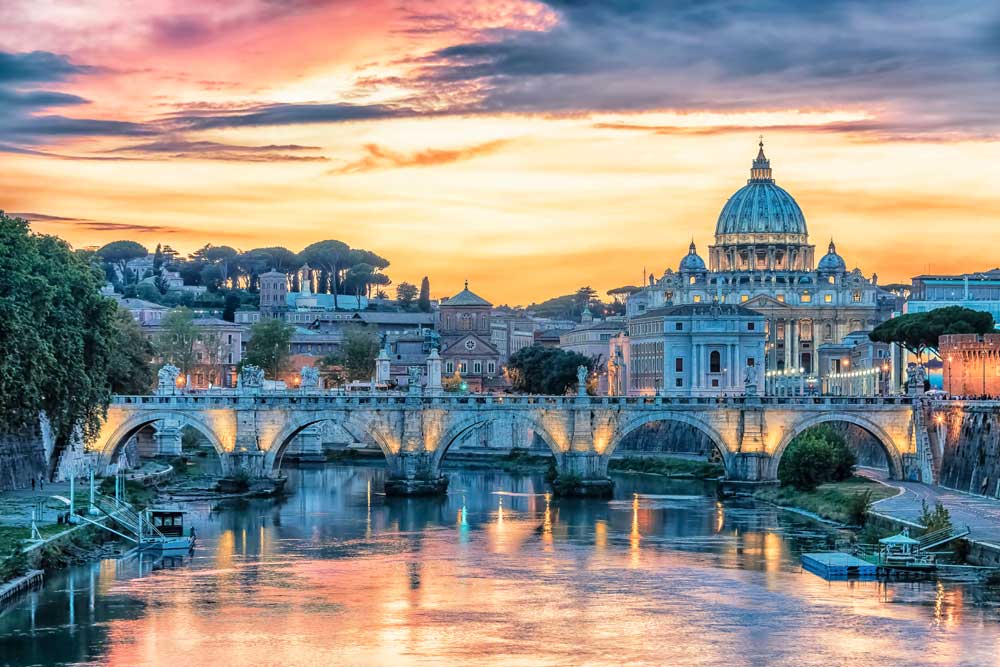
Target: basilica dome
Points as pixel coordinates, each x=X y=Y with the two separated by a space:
x=691 y=261
x=761 y=209
x=831 y=261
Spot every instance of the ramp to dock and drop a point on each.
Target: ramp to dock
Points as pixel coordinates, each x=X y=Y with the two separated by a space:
x=833 y=565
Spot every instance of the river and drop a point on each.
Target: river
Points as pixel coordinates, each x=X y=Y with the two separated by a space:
x=494 y=574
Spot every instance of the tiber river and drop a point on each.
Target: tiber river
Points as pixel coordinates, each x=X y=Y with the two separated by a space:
x=495 y=574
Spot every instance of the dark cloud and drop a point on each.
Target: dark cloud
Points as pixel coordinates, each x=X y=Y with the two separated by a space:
x=379 y=157
x=290 y=114
x=213 y=150
x=31 y=129
x=96 y=225
x=922 y=65
x=37 y=67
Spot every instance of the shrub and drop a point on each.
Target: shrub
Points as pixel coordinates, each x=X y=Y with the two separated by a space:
x=814 y=457
x=938 y=519
x=857 y=508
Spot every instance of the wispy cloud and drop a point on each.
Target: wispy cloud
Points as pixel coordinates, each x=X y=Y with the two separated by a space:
x=214 y=150
x=97 y=225
x=380 y=157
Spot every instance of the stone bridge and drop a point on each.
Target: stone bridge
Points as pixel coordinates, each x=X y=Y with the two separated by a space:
x=251 y=430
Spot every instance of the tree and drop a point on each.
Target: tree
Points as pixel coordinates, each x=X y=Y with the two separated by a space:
x=424 y=300
x=120 y=253
x=232 y=304
x=158 y=258
x=331 y=256
x=61 y=351
x=130 y=370
x=358 y=279
x=934 y=520
x=621 y=294
x=358 y=352
x=814 y=457
x=918 y=332
x=406 y=294
x=177 y=339
x=269 y=346
x=545 y=370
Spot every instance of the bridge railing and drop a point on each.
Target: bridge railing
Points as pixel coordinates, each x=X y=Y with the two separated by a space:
x=237 y=398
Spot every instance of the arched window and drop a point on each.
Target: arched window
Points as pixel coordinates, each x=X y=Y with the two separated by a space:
x=715 y=362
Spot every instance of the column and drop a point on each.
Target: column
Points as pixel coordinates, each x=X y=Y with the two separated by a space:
x=694 y=366
x=786 y=325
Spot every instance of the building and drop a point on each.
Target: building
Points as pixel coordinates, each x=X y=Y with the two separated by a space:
x=510 y=332
x=216 y=352
x=762 y=260
x=466 y=345
x=591 y=339
x=858 y=366
x=145 y=312
x=696 y=349
x=301 y=307
x=971 y=364
x=976 y=291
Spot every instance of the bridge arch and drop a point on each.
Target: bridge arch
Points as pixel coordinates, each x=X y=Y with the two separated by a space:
x=635 y=423
x=892 y=454
x=456 y=430
x=110 y=448
x=350 y=422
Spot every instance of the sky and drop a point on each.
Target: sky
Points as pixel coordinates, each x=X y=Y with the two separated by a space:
x=530 y=147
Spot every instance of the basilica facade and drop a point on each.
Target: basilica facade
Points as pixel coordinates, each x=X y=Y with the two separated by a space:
x=762 y=260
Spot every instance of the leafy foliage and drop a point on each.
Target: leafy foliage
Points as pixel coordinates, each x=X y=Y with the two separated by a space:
x=424 y=300
x=358 y=352
x=406 y=294
x=814 y=457
x=545 y=370
x=269 y=346
x=130 y=371
x=920 y=331
x=120 y=253
x=177 y=338
x=932 y=520
x=60 y=344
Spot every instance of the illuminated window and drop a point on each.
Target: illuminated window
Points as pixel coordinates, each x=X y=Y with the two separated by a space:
x=806 y=297
x=691 y=280
x=830 y=280
x=697 y=298
x=856 y=296
x=827 y=298
x=744 y=298
x=780 y=298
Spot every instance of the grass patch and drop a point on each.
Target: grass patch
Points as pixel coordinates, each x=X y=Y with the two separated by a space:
x=837 y=501
x=668 y=466
x=136 y=494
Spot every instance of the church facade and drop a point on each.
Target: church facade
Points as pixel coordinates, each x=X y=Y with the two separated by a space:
x=762 y=260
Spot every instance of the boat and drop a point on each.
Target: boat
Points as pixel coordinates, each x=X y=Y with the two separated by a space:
x=169 y=530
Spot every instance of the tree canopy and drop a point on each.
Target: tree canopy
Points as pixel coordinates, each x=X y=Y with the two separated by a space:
x=424 y=300
x=406 y=294
x=62 y=347
x=269 y=346
x=545 y=370
x=920 y=331
x=120 y=253
x=357 y=353
x=176 y=340
x=814 y=457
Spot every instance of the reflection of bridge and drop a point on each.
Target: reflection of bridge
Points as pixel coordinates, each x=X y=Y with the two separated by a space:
x=252 y=429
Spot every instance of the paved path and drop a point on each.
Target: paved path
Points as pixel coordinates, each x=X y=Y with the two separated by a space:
x=980 y=514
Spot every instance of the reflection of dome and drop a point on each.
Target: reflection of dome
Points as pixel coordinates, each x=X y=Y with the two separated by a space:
x=831 y=261
x=691 y=261
x=760 y=207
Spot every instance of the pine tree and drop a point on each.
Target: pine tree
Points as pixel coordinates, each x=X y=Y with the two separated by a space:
x=424 y=300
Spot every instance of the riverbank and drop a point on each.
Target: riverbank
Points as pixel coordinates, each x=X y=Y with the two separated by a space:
x=668 y=467
x=845 y=502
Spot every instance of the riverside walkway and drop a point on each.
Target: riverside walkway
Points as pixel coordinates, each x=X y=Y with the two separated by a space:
x=979 y=513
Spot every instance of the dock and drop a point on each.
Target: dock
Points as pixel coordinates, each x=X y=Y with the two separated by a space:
x=834 y=565
x=14 y=588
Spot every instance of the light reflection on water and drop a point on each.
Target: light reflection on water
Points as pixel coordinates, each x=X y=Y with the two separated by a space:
x=497 y=573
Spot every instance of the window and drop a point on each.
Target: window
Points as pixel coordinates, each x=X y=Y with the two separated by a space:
x=751 y=326
x=715 y=362
x=477 y=367
x=679 y=326
x=230 y=337
x=751 y=362
x=450 y=368
x=806 y=297
x=463 y=367
x=715 y=383
x=830 y=280
x=697 y=298
x=780 y=298
x=827 y=298
x=679 y=365
x=856 y=296
x=807 y=363
x=691 y=280
x=744 y=298
x=491 y=368
x=679 y=382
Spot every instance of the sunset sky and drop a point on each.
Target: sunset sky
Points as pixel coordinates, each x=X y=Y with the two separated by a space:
x=531 y=147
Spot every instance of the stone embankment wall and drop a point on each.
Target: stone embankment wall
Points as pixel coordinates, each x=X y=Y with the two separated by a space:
x=22 y=458
x=971 y=456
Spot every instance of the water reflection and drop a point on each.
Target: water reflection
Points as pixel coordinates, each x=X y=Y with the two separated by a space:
x=499 y=573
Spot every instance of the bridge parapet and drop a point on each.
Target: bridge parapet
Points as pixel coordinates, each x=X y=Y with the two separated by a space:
x=252 y=429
